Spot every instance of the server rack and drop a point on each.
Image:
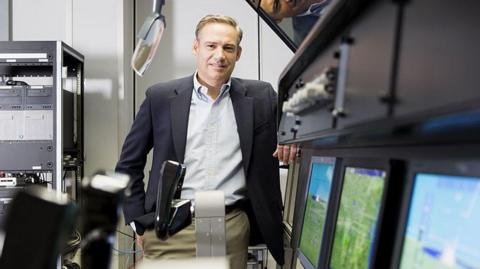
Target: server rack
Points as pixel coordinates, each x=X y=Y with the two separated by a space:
x=41 y=115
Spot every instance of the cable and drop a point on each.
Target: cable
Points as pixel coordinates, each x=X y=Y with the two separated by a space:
x=123 y=252
x=128 y=258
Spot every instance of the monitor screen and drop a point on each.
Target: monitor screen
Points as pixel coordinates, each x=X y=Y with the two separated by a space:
x=319 y=186
x=443 y=219
x=356 y=223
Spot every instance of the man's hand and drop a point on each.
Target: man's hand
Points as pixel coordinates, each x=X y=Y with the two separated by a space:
x=139 y=239
x=286 y=153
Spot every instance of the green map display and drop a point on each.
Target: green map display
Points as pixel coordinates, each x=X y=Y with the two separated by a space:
x=320 y=183
x=357 y=218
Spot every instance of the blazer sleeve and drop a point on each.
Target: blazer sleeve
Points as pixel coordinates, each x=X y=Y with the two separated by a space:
x=132 y=160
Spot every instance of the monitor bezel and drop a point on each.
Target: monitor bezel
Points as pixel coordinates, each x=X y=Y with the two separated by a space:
x=336 y=164
x=387 y=204
x=463 y=168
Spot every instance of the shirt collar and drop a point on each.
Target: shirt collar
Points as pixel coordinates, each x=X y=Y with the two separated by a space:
x=201 y=90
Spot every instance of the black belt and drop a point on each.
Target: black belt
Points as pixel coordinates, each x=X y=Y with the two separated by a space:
x=240 y=204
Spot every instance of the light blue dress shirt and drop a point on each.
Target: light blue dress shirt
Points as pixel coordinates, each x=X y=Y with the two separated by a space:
x=212 y=155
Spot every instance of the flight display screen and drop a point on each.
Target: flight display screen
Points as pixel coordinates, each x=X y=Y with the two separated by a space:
x=319 y=187
x=442 y=229
x=357 y=218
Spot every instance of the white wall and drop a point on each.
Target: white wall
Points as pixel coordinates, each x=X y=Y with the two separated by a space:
x=100 y=36
x=4 y=20
x=274 y=55
x=42 y=20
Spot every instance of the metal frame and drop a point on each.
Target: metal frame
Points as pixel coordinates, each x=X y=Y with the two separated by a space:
x=58 y=135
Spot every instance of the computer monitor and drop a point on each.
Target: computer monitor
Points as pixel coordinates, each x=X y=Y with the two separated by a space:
x=356 y=226
x=315 y=213
x=442 y=216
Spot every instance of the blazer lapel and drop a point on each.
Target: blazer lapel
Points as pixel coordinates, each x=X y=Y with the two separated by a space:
x=243 y=109
x=180 y=109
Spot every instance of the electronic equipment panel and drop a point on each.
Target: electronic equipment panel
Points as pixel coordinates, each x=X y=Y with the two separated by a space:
x=315 y=213
x=357 y=221
x=441 y=218
x=41 y=115
x=26 y=119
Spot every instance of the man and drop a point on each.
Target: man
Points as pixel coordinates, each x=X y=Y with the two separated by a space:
x=304 y=14
x=224 y=130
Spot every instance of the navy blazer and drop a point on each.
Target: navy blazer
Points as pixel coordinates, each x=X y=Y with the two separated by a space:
x=161 y=123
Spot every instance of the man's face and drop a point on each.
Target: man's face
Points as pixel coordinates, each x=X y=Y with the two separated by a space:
x=217 y=52
x=279 y=9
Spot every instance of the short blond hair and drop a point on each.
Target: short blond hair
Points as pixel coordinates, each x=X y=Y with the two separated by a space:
x=219 y=19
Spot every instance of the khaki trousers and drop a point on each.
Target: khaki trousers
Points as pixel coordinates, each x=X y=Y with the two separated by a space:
x=182 y=244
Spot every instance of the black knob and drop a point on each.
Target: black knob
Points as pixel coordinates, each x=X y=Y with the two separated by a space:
x=331 y=73
x=330 y=88
x=299 y=83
